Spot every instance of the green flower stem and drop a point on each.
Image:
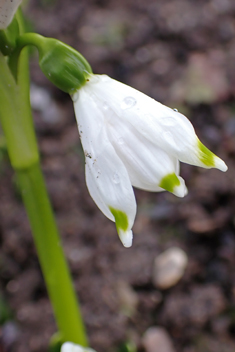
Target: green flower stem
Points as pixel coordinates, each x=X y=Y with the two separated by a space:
x=16 y=118
x=8 y=37
x=16 y=121
x=17 y=124
x=51 y=255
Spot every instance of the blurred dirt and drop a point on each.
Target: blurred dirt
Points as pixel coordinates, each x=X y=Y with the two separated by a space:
x=182 y=53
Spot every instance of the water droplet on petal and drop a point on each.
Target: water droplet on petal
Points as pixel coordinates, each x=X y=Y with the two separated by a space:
x=105 y=106
x=116 y=178
x=169 y=138
x=75 y=97
x=175 y=109
x=128 y=102
x=120 y=141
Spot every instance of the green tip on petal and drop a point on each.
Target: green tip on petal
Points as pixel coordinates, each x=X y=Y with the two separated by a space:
x=206 y=156
x=121 y=221
x=169 y=182
x=209 y=159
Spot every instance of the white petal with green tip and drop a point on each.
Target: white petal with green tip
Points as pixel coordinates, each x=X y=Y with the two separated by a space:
x=166 y=128
x=130 y=140
x=146 y=163
x=107 y=178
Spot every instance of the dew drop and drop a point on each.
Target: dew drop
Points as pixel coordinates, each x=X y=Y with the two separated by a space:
x=169 y=138
x=120 y=141
x=128 y=102
x=116 y=178
x=105 y=106
x=75 y=97
x=175 y=109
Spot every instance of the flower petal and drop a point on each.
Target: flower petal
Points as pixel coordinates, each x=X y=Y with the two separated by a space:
x=106 y=176
x=72 y=347
x=148 y=166
x=163 y=126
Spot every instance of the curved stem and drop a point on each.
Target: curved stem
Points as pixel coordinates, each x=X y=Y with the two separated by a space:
x=22 y=41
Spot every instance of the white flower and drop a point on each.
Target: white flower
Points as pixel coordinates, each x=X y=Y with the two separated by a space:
x=130 y=140
x=71 y=347
x=7 y=10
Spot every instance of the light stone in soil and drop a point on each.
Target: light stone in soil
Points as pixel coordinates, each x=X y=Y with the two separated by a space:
x=169 y=267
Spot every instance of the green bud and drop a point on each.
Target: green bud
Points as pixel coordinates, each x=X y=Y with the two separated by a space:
x=66 y=68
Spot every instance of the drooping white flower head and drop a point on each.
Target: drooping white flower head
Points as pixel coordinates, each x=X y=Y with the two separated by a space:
x=130 y=140
x=71 y=347
x=7 y=10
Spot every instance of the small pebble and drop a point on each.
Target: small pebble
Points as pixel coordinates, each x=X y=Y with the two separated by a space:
x=169 y=267
x=157 y=339
x=128 y=299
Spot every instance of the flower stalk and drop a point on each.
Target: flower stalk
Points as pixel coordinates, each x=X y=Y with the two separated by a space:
x=17 y=123
x=8 y=37
x=51 y=256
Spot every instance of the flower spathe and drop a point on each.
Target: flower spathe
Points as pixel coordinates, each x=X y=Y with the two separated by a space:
x=7 y=11
x=72 y=347
x=129 y=139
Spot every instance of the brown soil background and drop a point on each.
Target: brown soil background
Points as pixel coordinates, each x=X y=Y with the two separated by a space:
x=182 y=53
